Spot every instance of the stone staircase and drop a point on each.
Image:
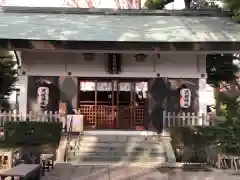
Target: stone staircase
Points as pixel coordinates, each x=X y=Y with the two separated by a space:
x=117 y=148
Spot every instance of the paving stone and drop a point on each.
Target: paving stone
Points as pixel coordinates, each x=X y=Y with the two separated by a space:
x=98 y=172
x=118 y=173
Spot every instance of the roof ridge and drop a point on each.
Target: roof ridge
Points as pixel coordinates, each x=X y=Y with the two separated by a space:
x=102 y=11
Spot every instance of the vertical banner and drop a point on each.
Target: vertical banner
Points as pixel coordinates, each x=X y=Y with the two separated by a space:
x=43 y=93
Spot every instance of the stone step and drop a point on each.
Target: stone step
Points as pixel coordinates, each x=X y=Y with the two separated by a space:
x=153 y=150
x=104 y=148
x=118 y=155
x=117 y=144
x=102 y=154
x=143 y=155
x=114 y=154
x=97 y=157
x=119 y=163
x=118 y=138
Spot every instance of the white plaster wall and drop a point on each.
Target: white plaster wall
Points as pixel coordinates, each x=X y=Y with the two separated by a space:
x=59 y=64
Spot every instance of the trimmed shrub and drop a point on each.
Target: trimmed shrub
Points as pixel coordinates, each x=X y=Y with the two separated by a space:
x=188 y=140
x=32 y=133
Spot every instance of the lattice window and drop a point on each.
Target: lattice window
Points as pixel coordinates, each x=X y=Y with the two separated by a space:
x=104 y=116
x=139 y=116
x=89 y=115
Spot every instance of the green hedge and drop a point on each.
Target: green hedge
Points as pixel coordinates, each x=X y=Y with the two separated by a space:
x=32 y=133
x=188 y=137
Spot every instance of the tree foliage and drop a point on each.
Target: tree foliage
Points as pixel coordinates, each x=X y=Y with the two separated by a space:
x=157 y=4
x=224 y=73
x=233 y=5
x=8 y=77
x=220 y=68
x=226 y=130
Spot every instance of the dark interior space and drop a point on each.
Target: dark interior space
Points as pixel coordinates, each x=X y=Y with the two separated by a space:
x=113 y=104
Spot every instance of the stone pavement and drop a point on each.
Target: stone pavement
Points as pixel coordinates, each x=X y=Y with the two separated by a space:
x=66 y=171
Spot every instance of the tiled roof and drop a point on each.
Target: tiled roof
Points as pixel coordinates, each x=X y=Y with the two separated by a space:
x=92 y=27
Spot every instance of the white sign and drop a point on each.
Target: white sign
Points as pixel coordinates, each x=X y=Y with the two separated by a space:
x=77 y=122
x=185 y=98
x=43 y=96
x=87 y=86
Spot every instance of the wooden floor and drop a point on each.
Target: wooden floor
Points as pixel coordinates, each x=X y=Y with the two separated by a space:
x=66 y=171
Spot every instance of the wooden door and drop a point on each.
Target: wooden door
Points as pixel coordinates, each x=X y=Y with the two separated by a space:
x=124 y=105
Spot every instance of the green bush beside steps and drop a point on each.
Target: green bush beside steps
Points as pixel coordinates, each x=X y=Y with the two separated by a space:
x=32 y=133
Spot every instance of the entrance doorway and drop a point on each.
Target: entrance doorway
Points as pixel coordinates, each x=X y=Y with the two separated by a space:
x=113 y=104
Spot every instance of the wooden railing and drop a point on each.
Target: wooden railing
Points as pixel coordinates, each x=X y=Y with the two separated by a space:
x=184 y=119
x=69 y=138
x=48 y=116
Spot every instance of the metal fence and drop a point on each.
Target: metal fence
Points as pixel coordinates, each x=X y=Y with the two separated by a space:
x=184 y=119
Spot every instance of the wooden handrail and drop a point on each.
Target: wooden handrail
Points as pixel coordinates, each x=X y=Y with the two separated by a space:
x=70 y=130
x=69 y=137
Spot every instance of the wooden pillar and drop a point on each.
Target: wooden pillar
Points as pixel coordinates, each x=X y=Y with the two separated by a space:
x=132 y=106
x=95 y=105
x=117 y=106
x=113 y=110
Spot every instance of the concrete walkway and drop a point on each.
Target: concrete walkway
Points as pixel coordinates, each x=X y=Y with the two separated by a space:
x=66 y=171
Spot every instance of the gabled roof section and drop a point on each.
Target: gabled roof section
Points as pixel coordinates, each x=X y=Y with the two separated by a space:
x=132 y=27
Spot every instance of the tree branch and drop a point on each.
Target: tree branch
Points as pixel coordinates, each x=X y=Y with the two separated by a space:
x=230 y=88
x=151 y=4
x=2 y=2
x=72 y=3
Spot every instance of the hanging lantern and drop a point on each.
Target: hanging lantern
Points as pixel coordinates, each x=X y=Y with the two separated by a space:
x=43 y=97
x=185 y=98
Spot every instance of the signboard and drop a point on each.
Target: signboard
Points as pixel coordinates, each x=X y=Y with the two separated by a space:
x=77 y=122
x=185 y=98
x=114 y=63
x=43 y=96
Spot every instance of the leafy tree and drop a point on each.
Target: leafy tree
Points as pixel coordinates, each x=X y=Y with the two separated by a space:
x=226 y=131
x=233 y=5
x=157 y=4
x=220 y=67
x=223 y=76
x=8 y=77
x=189 y=4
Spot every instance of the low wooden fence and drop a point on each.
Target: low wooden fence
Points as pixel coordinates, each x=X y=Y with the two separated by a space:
x=48 y=116
x=169 y=118
x=184 y=119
